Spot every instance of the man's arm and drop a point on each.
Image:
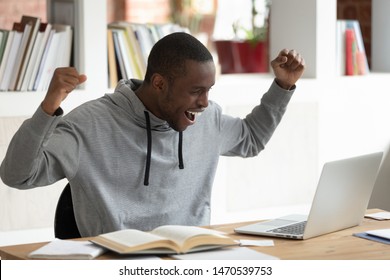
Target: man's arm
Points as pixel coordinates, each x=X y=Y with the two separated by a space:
x=288 y=67
x=29 y=162
x=246 y=138
x=64 y=81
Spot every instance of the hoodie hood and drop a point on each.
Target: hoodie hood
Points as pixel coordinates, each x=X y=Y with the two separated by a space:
x=125 y=97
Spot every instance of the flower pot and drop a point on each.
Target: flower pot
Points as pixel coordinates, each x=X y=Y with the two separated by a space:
x=225 y=56
x=242 y=56
x=251 y=57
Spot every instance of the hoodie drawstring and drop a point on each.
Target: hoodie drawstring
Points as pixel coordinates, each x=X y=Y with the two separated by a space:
x=149 y=149
x=181 y=164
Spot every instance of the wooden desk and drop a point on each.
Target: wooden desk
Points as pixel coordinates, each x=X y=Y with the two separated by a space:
x=338 y=245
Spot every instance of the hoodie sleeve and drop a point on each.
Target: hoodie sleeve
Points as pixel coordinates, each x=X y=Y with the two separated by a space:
x=248 y=137
x=38 y=154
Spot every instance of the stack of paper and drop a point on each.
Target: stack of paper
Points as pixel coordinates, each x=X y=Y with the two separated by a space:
x=67 y=250
x=379 y=235
x=379 y=216
x=235 y=253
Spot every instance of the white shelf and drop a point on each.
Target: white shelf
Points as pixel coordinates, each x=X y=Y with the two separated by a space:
x=244 y=89
x=16 y=103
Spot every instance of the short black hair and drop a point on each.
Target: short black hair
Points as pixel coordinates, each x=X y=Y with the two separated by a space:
x=169 y=54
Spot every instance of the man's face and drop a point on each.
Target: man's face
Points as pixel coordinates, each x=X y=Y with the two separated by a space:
x=183 y=100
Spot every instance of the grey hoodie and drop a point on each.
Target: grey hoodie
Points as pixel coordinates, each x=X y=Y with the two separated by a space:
x=101 y=147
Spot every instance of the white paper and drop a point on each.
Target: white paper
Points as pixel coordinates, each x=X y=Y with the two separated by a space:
x=140 y=258
x=264 y=243
x=384 y=233
x=67 y=249
x=379 y=216
x=235 y=253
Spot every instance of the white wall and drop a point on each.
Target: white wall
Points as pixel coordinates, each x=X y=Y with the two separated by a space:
x=24 y=215
x=343 y=117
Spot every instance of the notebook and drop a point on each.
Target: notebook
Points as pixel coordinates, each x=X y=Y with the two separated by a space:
x=340 y=201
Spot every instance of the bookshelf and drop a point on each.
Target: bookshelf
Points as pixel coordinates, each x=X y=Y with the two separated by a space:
x=330 y=117
x=30 y=214
x=90 y=50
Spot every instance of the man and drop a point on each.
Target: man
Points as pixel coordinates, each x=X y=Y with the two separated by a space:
x=145 y=155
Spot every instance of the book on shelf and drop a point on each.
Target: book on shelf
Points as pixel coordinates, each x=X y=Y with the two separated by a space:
x=168 y=239
x=50 y=45
x=36 y=52
x=56 y=54
x=362 y=60
x=134 y=53
x=3 y=42
x=144 y=37
x=45 y=32
x=112 y=69
x=351 y=67
x=9 y=61
x=340 y=48
x=65 y=49
x=30 y=52
x=132 y=44
x=351 y=58
x=6 y=51
x=127 y=51
x=118 y=55
x=124 y=49
x=25 y=53
x=26 y=27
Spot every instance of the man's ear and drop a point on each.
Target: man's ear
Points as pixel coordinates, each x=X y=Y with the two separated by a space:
x=158 y=82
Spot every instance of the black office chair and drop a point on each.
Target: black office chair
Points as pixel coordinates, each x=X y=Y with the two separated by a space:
x=65 y=226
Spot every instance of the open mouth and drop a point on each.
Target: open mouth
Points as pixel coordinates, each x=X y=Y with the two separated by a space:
x=192 y=115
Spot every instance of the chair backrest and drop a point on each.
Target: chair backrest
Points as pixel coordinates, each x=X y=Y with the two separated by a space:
x=65 y=226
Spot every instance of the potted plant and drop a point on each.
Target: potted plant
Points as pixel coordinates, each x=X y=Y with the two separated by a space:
x=248 y=51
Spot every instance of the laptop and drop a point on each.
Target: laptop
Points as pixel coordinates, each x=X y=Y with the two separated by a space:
x=340 y=201
x=380 y=197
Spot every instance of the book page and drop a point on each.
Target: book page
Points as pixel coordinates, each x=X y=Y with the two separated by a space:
x=163 y=239
x=182 y=233
x=383 y=233
x=131 y=237
x=235 y=253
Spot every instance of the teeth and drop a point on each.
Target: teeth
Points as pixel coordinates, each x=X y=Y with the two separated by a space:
x=194 y=113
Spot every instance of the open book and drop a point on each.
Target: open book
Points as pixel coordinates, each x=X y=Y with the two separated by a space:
x=163 y=240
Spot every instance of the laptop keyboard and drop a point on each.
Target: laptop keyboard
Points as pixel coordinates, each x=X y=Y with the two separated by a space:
x=295 y=229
